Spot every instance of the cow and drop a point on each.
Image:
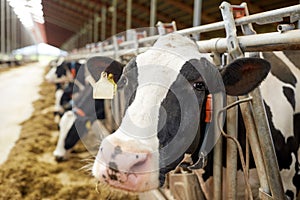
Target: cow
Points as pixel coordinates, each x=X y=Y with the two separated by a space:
x=64 y=75
x=85 y=111
x=166 y=88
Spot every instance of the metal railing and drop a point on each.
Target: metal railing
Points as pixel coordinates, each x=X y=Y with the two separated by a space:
x=261 y=42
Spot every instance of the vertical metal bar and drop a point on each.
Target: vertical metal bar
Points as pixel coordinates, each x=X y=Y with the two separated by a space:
x=14 y=31
x=114 y=18
x=17 y=33
x=217 y=161
x=128 y=14
x=255 y=148
x=2 y=27
x=231 y=157
x=20 y=34
x=103 y=23
x=197 y=16
x=152 y=16
x=231 y=154
x=117 y=114
x=152 y=13
x=217 y=169
x=299 y=20
x=267 y=146
x=90 y=30
x=96 y=27
x=8 y=31
x=116 y=47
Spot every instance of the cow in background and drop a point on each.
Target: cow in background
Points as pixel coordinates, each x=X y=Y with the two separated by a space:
x=64 y=75
x=76 y=123
x=155 y=130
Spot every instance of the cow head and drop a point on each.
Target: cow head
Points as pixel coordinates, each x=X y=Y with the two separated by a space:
x=166 y=89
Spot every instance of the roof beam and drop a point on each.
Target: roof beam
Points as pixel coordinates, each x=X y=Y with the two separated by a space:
x=67 y=19
x=92 y=4
x=77 y=8
x=188 y=9
x=61 y=24
x=62 y=9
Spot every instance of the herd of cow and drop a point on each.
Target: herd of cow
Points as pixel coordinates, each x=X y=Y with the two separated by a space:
x=166 y=92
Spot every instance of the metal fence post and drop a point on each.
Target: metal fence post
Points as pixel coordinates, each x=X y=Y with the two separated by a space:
x=152 y=15
x=2 y=26
x=197 y=16
x=264 y=135
x=128 y=14
x=267 y=146
x=8 y=31
x=114 y=17
x=103 y=23
x=234 y=52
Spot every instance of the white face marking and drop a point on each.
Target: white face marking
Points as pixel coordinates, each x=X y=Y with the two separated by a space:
x=158 y=68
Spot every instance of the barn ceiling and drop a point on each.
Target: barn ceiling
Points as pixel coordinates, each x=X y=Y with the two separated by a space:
x=65 y=18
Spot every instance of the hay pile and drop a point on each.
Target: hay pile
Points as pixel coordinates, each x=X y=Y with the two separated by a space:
x=30 y=171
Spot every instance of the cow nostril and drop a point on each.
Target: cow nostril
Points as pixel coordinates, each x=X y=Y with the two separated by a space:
x=59 y=158
x=137 y=166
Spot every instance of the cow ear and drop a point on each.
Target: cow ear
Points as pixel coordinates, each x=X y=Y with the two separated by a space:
x=244 y=74
x=98 y=64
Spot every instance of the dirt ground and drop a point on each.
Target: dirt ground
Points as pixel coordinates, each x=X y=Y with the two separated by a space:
x=30 y=172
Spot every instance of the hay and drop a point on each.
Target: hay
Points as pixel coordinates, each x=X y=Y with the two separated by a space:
x=30 y=171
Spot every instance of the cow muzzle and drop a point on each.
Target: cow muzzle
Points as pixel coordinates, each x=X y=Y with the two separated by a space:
x=127 y=165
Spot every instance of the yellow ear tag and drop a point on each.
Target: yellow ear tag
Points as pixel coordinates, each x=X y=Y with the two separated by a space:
x=105 y=88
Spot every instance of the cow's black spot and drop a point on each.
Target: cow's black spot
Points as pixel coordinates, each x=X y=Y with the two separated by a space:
x=129 y=82
x=295 y=147
x=113 y=177
x=117 y=151
x=280 y=70
x=297 y=131
x=61 y=70
x=290 y=194
x=178 y=119
x=72 y=138
x=99 y=107
x=283 y=151
x=290 y=95
x=113 y=166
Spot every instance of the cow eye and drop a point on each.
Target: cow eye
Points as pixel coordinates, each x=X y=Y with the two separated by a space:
x=200 y=86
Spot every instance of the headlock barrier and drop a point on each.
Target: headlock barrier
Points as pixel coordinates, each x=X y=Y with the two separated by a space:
x=187 y=185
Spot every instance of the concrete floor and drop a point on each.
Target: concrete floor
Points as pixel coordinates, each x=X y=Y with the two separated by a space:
x=19 y=87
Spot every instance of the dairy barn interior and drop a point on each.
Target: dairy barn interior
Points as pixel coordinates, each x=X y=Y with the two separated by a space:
x=58 y=105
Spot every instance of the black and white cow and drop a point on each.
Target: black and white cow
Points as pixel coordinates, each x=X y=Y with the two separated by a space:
x=76 y=123
x=68 y=82
x=281 y=95
x=166 y=90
